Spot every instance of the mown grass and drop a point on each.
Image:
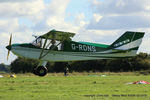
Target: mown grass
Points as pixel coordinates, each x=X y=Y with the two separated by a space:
x=85 y=86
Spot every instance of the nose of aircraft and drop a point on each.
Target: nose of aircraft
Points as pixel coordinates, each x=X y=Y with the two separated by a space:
x=8 y=47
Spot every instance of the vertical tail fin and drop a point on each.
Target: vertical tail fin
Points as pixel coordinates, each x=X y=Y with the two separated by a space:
x=128 y=41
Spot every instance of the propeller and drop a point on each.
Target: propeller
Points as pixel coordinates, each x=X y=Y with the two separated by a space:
x=9 y=46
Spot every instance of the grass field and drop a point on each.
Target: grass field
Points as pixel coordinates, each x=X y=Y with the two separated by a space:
x=91 y=86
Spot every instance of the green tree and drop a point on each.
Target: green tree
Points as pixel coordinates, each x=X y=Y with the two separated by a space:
x=4 y=68
x=23 y=65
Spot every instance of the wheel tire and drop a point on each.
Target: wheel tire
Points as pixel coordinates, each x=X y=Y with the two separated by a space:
x=41 y=71
x=35 y=71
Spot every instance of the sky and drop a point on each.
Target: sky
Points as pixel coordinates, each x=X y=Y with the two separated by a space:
x=98 y=21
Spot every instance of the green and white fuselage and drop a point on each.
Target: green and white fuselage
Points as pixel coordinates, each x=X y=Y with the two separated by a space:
x=124 y=47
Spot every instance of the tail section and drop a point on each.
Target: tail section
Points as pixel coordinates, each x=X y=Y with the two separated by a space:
x=128 y=41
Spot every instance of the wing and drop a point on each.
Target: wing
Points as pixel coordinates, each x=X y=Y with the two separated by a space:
x=58 y=35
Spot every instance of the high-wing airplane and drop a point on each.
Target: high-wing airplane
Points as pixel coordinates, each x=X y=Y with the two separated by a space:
x=57 y=46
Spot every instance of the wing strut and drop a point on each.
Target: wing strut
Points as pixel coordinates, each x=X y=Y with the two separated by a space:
x=43 y=48
x=48 y=51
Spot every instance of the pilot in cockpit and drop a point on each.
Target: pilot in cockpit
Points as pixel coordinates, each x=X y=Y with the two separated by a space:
x=53 y=46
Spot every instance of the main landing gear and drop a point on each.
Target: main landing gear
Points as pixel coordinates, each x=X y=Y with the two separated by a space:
x=41 y=70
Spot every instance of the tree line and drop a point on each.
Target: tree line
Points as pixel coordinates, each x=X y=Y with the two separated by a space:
x=137 y=63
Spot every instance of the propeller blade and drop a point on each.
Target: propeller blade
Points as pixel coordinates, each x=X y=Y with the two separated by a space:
x=8 y=54
x=10 y=39
x=9 y=46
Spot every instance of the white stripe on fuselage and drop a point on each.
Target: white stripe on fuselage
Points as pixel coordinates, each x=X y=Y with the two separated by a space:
x=34 y=53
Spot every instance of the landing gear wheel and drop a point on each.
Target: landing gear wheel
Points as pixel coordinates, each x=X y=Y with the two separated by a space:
x=34 y=71
x=41 y=71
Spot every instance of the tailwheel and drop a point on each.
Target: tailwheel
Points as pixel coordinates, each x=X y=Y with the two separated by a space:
x=40 y=71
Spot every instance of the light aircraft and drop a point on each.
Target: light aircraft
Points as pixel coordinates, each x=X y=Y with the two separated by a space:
x=57 y=46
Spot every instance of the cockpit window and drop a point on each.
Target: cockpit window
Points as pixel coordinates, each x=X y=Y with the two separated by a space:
x=37 y=42
x=51 y=44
